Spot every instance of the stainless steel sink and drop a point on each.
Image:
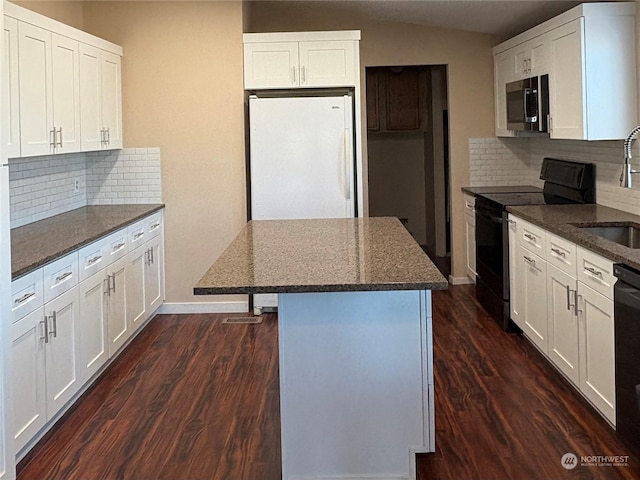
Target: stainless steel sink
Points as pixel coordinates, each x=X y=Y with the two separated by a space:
x=627 y=235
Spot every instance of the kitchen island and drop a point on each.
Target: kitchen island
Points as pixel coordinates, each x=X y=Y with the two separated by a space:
x=355 y=345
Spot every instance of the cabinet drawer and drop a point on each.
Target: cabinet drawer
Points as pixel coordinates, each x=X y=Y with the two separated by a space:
x=153 y=225
x=116 y=246
x=60 y=276
x=531 y=237
x=469 y=204
x=596 y=272
x=92 y=259
x=137 y=234
x=561 y=253
x=27 y=294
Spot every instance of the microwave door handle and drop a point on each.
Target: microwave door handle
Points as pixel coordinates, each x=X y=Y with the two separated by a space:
x=525 y=97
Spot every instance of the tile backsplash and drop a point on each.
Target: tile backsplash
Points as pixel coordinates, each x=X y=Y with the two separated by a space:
x=41 y=187
x=517 y=161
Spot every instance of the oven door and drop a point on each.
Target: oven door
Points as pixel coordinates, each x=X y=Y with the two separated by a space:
x=489 y=247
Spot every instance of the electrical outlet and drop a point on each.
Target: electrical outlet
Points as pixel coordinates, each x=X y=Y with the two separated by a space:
x=76 y=184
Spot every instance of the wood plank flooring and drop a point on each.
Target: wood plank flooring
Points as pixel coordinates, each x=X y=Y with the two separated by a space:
x=196 y=399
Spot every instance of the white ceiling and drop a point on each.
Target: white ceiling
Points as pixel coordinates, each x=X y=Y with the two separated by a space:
x=500 y=17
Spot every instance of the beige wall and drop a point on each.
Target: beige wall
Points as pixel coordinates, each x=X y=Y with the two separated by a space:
x=470 y=69
x=182 y=92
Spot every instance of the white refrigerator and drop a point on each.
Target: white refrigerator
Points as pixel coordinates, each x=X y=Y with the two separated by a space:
x=301 y=161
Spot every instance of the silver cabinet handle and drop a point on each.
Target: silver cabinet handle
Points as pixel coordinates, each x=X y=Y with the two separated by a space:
x=138 y=235
x=65 y=275
x=93 y=260
x=52 y=138
x=304 y=74
x=24 y=298
x=559 y=252
x=530 y=237
x=153 y=260
x=593 y=271
x=511 y=222
x=113 y=275
x=102 y=140
x=45 y=323
x=54 y=322
x=107 y=285
x=154 y=226
x=568 y=298
x=293 y=70
x=118 y=247
x=530 y=261
x=59 y=143
x=108 y=135
x=578 y=301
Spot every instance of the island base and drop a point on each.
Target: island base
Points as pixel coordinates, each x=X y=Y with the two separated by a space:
x=356 y=384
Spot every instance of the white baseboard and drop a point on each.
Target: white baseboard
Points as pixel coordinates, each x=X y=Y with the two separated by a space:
x=460 y=280
x=203 y=307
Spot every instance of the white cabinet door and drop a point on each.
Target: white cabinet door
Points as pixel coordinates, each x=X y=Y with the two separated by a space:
x=567 y=94
x=36 y=94
x=136 y=286
x=534 y=298
x=90 y=111
x=471 y=245
x=94 y=350
x=503 y=70
x=66 y=93
x=154 y=283
x=327 y=63
x=28 y=377
x=516 y=281
x=539 y=55
x=563 y=322
x=118 y=328
x=111 y=99
x=597 y=356
x=10 y=92
x=63 y=378
x=271 y=65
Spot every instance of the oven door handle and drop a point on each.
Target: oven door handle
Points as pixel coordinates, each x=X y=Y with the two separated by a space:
x=489 y=217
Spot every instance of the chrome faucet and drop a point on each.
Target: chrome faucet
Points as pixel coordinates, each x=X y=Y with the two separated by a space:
x=625 y=177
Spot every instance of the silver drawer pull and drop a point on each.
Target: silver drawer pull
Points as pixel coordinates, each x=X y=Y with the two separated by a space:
x=45 y=324
x=60 y=278
x=54 y=322
x=530 y=261
x=94 y=259
x=154 y=226
x=118 y=247
x=559 y=252
x=530 y=237
x=24 y=298
x=138 y=235
x=511 y=222
x=593 y=271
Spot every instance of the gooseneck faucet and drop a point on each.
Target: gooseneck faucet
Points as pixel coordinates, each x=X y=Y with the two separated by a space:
x=625 y=177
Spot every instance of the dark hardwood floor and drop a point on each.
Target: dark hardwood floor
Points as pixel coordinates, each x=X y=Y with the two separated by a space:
x=196 y=399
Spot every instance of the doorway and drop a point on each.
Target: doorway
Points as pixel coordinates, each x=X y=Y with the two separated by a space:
x=408 y=153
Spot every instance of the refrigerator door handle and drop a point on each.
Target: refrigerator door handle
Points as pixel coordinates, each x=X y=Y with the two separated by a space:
x=347 y=169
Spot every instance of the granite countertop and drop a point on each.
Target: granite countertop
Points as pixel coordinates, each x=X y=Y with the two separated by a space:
x=323 y=255
x=562 y=220
x=39 y=243
x=501 y=189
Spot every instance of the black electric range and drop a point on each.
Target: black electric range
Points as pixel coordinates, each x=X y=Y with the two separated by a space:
x=565 y=182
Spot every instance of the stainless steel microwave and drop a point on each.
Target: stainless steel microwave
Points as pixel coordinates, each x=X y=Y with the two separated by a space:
x=528 y=104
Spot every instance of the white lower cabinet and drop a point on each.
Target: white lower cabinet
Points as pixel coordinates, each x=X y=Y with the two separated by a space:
x=470 y=230
x=94 y=349
x=534 y=301
x=61 y=345
x=574 y=287
x=562 y=322
x=597 y=355
x=46 y=373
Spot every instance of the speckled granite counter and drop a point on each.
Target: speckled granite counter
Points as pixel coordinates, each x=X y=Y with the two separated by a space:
x=354 y=340
x=39 y=243
x=562 y=220
x=329 y=255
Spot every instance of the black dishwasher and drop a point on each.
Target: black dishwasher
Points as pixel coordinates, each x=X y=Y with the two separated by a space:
x=627 y=343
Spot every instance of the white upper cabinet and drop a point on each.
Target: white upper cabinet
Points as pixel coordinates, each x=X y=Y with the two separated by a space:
x=299 y=60
x=55 y=100
x=504 y=68
x=101 y=99
x=10 y=104
x=590 y=56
